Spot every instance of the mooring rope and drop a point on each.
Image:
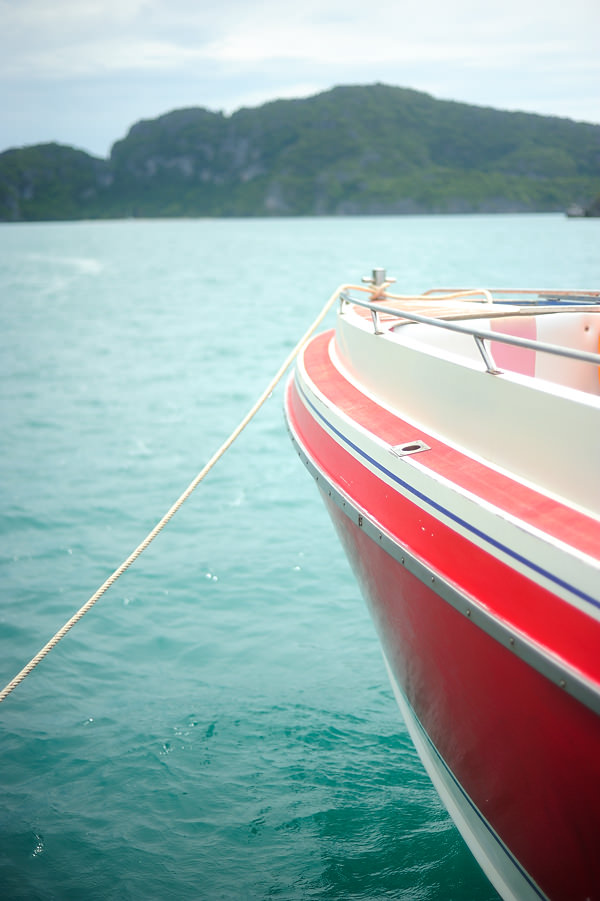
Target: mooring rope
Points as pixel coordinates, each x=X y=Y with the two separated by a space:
x=178 y=503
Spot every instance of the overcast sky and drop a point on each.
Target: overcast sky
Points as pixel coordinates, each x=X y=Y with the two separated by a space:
x=81 y=72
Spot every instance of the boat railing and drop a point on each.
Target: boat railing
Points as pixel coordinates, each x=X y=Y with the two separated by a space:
x=525 y=296
x=378 y=292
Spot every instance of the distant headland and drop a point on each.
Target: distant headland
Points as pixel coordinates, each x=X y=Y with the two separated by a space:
x=372 y=149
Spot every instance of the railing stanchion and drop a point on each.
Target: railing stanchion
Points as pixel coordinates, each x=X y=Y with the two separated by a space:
x=487 y=356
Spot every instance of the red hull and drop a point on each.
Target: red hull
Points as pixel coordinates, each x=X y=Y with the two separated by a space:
x=523 y=750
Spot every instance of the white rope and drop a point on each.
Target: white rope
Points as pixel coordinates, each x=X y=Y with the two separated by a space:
x=175 y=507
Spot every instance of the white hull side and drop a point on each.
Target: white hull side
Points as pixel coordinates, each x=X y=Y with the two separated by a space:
x=503 y=871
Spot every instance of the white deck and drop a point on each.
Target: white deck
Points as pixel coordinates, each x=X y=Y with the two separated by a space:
x=539 y=420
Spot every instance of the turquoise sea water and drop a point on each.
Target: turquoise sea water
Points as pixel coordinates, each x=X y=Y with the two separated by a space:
x=220 y=725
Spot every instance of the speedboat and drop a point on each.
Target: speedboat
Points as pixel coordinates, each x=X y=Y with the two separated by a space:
x=455 y=439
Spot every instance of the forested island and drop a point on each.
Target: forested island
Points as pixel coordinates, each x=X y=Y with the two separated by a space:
x=370 y=149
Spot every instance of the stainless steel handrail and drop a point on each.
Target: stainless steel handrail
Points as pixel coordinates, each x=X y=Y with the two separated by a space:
x=478 y=334
x=529 y=296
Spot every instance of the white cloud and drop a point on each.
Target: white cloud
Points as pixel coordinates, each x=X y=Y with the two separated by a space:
x=82 y=36
x=98 y=57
